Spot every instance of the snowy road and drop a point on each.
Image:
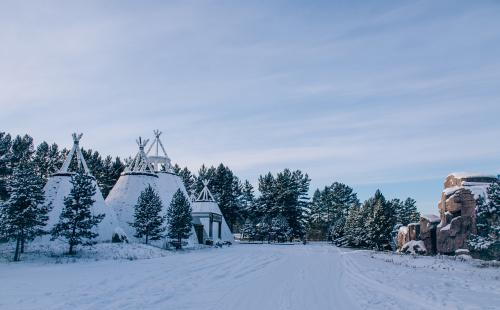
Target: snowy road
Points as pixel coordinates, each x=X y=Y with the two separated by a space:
x=256 y=277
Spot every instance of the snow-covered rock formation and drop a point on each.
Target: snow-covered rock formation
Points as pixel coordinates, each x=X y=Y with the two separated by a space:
x=457 y=209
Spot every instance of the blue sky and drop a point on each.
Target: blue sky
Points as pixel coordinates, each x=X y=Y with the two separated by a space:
x=375 y=94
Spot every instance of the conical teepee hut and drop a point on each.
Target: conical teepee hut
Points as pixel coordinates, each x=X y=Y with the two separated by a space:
x=123 y=196
x=208 y=220
x=59 y=186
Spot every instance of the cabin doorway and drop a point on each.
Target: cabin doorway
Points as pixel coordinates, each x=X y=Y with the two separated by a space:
x=198 y=228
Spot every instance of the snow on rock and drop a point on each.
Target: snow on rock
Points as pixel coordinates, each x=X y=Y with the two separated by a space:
x=465 y=175
x=414 y=247
x=58 y=187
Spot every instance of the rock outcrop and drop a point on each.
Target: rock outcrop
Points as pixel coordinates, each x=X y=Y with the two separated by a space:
x=457 y=209
x=414 y=231
x=428 y=229
x=403 y=237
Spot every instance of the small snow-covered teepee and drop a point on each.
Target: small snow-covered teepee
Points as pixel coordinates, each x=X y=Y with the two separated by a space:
x=123 y=196
x=59 y=186
x=208 y=220
x=168 y=182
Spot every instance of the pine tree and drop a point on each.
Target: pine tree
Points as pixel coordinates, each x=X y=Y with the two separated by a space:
x=280 y=230
x=381 y=222
x=342 y=199
x=111 y=170
x=47 y=160
x=406 y=212
x=5 y=169
x=107 y=178
x=24 y=214
x=317 y=217
x=248 y=231
x=148 y=221
x=247 y=201
x=179 y=218
x=263 y=228
x=354 y=228
x=285 y=195
x=187 y=177
x=76 y=220
x=22 y=150
x=486 y=243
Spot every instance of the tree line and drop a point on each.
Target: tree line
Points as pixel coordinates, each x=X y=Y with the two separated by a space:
x=279 y=210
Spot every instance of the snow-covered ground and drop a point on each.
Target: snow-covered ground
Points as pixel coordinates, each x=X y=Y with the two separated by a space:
x=257 y=277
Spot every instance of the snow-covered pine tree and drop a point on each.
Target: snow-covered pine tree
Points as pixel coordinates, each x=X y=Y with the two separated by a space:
x=76 y=220
x=381 y=223
x=342 y=199
x=227 y=191
x=487 y=241
x=280 y=230
x=407 y=212
x=337 y=229
x=248 y=231
x=5 y=171
x=148 y=221
x=316 y=218
x=24 y=214
x=263 y=229
x=352 y=227
x=179 y=219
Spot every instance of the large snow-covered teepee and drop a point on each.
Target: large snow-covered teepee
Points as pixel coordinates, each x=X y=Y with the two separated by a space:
x=59 y=186
x=168 y=182
x=208 y=219
x=122 y=198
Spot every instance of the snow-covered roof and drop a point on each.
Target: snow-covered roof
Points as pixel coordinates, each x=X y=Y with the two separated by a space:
x=205 y=207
